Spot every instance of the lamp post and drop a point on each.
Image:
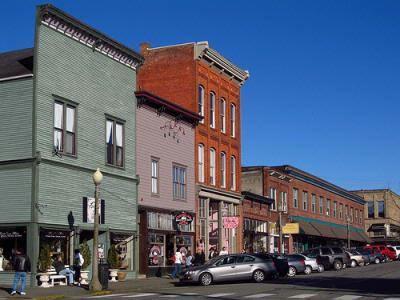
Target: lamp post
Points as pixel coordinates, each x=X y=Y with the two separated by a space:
x=348 y=231
x=95 y=283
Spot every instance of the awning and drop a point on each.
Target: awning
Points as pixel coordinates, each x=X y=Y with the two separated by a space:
x=364 y=237
x=325 y=230
x=377 y=227
x=308 y=229
x=341 y=233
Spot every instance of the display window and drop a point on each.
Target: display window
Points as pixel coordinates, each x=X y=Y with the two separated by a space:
x=156 y=250
x=58 y=242
x=124 y=247
x=11 y=240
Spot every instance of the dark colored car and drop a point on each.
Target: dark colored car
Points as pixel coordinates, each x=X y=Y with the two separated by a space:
x=334 y=257
x=280 y=262
x=296 y=263
x=321 y=260
x=374 y=255
x=232 y=267
x=390 y=253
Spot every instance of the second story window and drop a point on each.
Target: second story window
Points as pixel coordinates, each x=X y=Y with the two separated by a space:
x=328 y=207
x=222 y=113
x=212 y=166
x=233 y=120
x=233 y=173
x=321 y=205
x=179 y=182
x=64 y=128
x=313 y=203
x=351 y=215
x=284 y=201
x=115 y=143
x=346 y=212
x=340 y=211
x=305 y=201
x=334 y=209
x=201 y=162
x=272 y=195
x=295 y=198
x=212 y=110
x=381 y=209
x=201 y=103
x=154 y=176
x=371 y=213
x=356 y=215
x=223 y=170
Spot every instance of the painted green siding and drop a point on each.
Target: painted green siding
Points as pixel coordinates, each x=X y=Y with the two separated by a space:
x=100 y=86
x=16 y=119
x=15 y=193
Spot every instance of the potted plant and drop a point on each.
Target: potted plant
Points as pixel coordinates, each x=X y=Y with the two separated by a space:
x=113 y=262
x=87 y=257
x=44 y=264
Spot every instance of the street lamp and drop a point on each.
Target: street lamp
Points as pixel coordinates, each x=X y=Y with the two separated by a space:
x=95 y=283
x=348 y=231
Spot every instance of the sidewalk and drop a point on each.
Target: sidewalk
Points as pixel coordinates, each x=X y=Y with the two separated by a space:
x=137 y=285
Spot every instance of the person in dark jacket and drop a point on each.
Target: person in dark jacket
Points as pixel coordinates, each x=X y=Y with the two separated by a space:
x=21 y=265
x=62 y=270
x=199 y=258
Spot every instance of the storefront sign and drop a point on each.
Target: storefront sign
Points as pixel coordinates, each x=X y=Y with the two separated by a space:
x=10 y=235
x=291 y=228
x=183 y=218
x=230 y=222
x=55 y=234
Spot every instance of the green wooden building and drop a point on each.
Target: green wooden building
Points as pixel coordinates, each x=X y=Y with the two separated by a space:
x=67 y=107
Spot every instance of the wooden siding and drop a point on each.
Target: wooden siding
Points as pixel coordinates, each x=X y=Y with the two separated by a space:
x=16 y=119
x=152 y=143
x=15 y=193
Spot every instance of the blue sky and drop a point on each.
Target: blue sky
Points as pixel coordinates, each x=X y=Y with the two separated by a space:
x=324 y=88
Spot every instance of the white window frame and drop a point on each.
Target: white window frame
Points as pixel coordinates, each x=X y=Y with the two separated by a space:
x=201 y=102
x=313 y=203
x=272 y=195
x=284 y=207
x=212 y=166
x=200 y=162
x=334 y=214
x=328 y=208
x=222 y=114
x=155 y=176
x=295 y=198
x=321 y=205
x=233 y=120
x=305 y=201
x=179 y=187
x=212 y=109
x=223 y=169
x=233 y=173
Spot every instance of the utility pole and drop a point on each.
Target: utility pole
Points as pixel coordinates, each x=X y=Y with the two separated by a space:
x=348 y=232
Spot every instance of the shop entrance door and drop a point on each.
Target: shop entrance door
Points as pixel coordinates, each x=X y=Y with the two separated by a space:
x=171 y=248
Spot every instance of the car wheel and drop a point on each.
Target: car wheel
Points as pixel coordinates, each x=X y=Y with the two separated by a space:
x=321 y=268
x=258 y=276
x=292 y=271
x=353 y=263
x=377 y=260
x=308 y=270
x=337 y=265
x=361 y=264
x=206 y=279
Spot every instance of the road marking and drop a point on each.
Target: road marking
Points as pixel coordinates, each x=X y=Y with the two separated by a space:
x=168 y=296
x=107 y=296
x=302 y=296
x=189 y=294
x=348 y=297
x=256 y=296
x=391 y=299
x=140 y=295
x=220 y=295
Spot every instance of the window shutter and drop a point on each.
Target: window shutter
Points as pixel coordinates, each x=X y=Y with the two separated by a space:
x=102 y=211
x=84 y=214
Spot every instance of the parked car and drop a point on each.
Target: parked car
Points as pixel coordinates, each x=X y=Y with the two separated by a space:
x=322 y=262
x=366 y=255
x=230 y=268
x=397 y=250
x=280 y=261
x=337 y=257
x=375 y=256
x=356 y=258
x=388 y=253
x=296 y=263
x=312 y=264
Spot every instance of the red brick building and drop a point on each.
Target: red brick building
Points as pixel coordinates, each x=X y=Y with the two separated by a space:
x=326 y=213
x=200 y=79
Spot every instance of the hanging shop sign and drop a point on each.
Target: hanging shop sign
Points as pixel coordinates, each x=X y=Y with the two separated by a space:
x=230 y=222
x=183 y=218
x=291 y=228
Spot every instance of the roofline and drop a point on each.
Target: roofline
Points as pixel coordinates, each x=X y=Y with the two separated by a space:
x=175 y=45
x=51 y=9
x=375 y=190
x=171 y=108
x=317 y=181
x=257 y=197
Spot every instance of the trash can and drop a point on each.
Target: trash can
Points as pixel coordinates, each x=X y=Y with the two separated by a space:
x=103 y=275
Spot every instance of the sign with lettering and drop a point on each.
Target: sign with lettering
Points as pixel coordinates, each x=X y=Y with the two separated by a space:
x=291 y=228
x=230 y=222
x=10 y=235
x=183 y=218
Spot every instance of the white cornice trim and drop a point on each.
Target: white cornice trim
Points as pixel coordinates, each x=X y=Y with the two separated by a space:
x=16 y=77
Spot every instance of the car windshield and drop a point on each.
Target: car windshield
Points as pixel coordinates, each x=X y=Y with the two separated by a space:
x=310 y=254
x=212 y=261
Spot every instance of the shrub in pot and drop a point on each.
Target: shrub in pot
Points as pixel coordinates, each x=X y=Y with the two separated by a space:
x=87 y=257
x=44 y=264
x=113 y=262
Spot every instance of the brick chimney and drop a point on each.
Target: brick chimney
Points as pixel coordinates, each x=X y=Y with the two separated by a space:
x=144 y=48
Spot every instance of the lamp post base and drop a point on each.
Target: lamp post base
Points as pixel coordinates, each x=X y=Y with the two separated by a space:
x=95 y=285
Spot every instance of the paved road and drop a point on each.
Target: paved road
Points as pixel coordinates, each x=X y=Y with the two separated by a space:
x=380 y=281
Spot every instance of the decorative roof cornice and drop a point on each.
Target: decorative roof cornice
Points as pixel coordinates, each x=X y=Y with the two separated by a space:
x=257 y=198
x=163 y=105
x=66 y=24
x=314 y=180
x=202 y=50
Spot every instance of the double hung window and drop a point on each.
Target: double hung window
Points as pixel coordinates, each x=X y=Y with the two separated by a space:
x=233 y=173
x=154 y=176
x=115 y=142
x=222 y=113
x=64 y=128
x=212 y=110
x=179 y=182
x=212 y=166
x=201 y=103
x=223 y=169
x=233 y=120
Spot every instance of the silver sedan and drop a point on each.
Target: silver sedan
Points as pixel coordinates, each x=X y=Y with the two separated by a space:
x=231 y=267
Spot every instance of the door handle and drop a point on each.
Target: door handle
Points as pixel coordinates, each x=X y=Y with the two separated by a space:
x=251 y=265
x=232 y=266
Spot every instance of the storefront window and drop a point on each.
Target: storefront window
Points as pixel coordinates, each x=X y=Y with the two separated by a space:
x=124 y=245
x=156 y=250
x=58 y=242
x=11 y=239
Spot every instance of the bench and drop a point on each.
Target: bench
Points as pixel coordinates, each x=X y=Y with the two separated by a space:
x=60 y=279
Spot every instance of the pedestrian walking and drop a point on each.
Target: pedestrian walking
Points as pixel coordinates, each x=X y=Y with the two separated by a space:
x=22 y=265
x=177 y=264
x=78 y=263
x=199 y=257
x=223 y=251
x=62 y=270
x=212 y=253
x=189 y=259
